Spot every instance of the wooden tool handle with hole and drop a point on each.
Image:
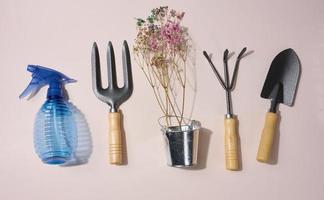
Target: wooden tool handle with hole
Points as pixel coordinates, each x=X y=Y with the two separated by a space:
x=267 y=137
x=115 y=139
x=231 y=144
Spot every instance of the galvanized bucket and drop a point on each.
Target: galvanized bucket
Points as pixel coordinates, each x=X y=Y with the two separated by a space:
x=181 y=143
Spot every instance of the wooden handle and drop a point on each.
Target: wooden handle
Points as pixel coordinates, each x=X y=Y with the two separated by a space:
x=267 y=137
x=231 y=142
x=115 y=139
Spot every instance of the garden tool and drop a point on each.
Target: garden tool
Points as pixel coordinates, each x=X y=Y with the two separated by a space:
x=231 y=135
x=280 y=86
x=113 y=95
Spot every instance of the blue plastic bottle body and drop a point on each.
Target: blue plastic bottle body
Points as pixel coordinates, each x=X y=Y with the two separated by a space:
x=55 y=134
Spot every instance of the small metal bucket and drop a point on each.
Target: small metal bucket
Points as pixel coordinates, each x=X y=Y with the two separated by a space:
x=181 y=143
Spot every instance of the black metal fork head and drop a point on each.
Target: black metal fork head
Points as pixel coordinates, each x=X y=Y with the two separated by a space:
x=227 y=85
x=112 y=95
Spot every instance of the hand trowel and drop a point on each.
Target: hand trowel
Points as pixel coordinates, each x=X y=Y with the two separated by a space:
x=280 y=86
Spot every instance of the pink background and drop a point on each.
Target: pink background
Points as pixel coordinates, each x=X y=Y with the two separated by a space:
x=60 y=34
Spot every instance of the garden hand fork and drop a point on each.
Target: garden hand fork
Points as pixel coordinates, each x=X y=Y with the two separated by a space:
x=113 y=95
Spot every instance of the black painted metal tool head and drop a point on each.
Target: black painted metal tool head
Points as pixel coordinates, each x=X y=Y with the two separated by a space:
x=227 y=84
x=282 y=79
x=112 y=95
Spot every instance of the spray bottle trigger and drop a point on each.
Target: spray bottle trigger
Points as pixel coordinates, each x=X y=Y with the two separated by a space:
x=32 y=89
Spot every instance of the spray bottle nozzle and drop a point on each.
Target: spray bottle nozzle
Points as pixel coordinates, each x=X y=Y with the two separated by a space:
x=42 y=76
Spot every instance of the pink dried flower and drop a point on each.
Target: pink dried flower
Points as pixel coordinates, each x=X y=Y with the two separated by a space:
x=153 y=44
x=171 y=32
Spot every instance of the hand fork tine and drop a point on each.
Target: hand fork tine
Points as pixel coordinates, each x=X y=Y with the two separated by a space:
x=111 y=67
x=96 y=73
x=128 y=79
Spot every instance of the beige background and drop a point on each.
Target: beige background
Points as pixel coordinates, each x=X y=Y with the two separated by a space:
x=60 y=34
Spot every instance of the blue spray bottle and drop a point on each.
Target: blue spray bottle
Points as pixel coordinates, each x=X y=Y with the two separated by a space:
x=54 y=129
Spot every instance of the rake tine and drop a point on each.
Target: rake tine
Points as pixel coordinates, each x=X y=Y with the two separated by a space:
x=225 y=60
x=127 y=67
x=96 y=73
x=228 y=93
x=111 y=66
x=215 y=70
x=234 y=77
x=241 y=53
